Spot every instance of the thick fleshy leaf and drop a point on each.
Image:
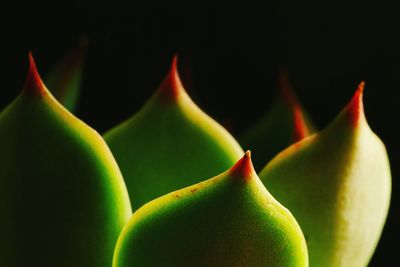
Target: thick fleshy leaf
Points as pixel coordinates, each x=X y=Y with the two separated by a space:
x=337 y=184
x=63 y=199
x=170 y=144
x=228 y=220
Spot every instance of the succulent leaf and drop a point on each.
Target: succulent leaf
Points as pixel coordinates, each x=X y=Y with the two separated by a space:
x=228 y=220
x=170 y=144
x=337 y=183
x=63 y=199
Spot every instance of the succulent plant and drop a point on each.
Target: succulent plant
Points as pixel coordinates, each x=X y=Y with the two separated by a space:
x=228 y=220
x=64 y=200
x=337 y=183
x=170 y=144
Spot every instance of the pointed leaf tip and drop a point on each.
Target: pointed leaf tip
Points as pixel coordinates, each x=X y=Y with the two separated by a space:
x=355 y=109
x=174 y=63
x=244 y=167
x=300 y=130
x=33 y=83
x=172 y=85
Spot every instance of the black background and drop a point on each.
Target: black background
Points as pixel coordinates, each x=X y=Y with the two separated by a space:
x=229 y=59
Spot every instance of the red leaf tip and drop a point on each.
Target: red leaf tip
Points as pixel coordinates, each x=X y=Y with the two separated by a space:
x=355 y=109
x=33 y=83
x=174 y=63
x=172 y=85
x=243 y=168
x=300 y=129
